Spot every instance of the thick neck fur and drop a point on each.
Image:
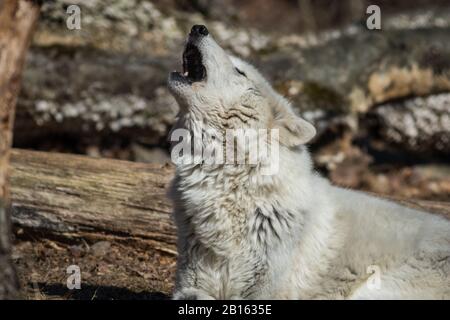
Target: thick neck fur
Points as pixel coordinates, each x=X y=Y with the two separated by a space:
x=233 y=210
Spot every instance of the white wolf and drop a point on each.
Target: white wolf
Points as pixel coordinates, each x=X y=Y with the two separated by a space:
x=290 y=235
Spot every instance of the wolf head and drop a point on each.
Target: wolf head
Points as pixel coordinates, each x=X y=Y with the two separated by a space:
x=228 y=93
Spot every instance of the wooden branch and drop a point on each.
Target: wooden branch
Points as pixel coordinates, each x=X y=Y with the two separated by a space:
x=76 y=197
x=17 y=20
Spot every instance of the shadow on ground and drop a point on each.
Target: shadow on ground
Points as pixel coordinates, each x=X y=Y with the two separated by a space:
x=90 y=292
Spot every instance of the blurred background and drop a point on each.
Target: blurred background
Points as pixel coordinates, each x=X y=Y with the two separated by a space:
x=380 y=99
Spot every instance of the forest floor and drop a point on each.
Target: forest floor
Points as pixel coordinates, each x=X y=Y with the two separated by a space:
x=109 y=271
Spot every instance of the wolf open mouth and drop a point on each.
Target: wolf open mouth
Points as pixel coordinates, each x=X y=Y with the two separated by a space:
x=193 y=68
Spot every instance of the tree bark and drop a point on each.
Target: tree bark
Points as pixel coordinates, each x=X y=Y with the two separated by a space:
x=17 y=19
x=75 y=197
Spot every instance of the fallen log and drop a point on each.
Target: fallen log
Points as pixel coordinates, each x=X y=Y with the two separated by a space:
x=76 y=197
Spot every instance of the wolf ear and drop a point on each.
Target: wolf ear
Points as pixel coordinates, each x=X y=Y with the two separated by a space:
x=293 y=130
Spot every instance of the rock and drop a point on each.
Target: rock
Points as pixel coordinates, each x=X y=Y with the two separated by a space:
x=103 y=94
x=76 y=250
x=417 y=125
x=100 y=248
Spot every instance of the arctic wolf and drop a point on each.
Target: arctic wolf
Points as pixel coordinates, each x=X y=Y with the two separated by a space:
x=288 y=235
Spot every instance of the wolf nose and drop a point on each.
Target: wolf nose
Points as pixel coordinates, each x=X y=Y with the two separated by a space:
x=199 y=30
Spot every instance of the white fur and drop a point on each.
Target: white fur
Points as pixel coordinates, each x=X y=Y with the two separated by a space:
x=290 y=235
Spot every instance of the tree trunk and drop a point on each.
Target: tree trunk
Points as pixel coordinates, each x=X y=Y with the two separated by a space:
x=17 y=19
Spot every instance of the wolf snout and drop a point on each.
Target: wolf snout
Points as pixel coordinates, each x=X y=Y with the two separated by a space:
x=199 y=30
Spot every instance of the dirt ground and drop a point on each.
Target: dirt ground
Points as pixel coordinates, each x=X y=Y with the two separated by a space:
x=109 y=271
